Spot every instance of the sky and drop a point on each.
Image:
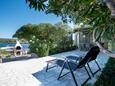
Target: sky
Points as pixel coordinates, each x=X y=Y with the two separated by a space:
x=16 y=13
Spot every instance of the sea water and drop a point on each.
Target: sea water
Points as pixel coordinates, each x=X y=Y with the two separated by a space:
x=24 y=46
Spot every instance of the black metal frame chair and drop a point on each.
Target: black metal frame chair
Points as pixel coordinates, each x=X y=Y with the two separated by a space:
x=72 y=66
x=91 y=56
x=69 y=65
x=80 y=58
x=93 y=73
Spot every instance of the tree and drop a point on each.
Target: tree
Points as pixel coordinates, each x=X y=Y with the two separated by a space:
x=93 y=12
x=25 y=32
x=66 y=41
x=47 y=36
x=64 y=26
x=42 y=38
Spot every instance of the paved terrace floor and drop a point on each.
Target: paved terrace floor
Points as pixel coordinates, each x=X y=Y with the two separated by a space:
x=32 y=72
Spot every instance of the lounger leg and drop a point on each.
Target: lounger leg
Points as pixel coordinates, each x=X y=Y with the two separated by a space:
x=95 y=71
x=47 y=67
x=87 y=78
x=72 y=74
x=60 y=75
x=61 y=71
x=90 y=69
x=97 y=65
x=70 y=71
x=87 y=72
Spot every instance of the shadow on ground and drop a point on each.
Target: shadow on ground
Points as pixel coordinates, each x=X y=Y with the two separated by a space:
x=4 y=60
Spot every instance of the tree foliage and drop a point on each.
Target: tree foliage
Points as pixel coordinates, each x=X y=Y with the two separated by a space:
x=64 y=26
x=25 y=32
x=93 y=12
x=42 y=38
x=65 y=43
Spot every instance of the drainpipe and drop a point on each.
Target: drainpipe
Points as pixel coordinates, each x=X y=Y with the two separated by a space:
x=78 y=40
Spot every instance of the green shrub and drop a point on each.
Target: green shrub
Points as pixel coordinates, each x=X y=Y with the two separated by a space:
x=4 y=53
x=107 y=78
x=39 y=47
x=45 y=39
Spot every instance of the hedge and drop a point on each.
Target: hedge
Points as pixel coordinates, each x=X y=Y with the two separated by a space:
x=107 y=78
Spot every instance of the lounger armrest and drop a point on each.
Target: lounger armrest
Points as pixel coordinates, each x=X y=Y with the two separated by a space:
x=50 y=61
